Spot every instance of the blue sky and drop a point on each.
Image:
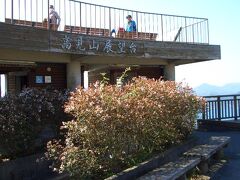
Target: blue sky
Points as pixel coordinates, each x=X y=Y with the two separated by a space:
x=224 y=27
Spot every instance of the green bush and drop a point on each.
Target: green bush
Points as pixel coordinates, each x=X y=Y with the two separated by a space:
x=114 y=128
x=24 y=116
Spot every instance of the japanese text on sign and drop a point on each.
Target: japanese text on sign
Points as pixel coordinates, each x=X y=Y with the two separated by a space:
x=78 y=44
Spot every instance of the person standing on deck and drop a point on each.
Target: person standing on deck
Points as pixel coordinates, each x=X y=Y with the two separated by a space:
x=131 y=26
x=54 y=18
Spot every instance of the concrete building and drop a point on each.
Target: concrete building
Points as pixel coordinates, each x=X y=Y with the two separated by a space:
x=32 y=55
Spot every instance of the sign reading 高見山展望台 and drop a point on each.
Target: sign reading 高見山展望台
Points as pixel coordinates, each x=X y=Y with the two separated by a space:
x=108 y=46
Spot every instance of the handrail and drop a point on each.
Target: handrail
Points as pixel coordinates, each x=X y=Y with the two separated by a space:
x=221 y=96
x=137 y=10
x=74 y=13
x=221 y=107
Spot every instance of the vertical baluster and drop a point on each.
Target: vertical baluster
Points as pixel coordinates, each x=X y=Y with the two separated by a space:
x=157 y=25
x=86 y=16
x=12 y=12
x=115 y=21
x=219 y=108
x=19 y=10
x=48 y=15
x=100 y=11
x=123 y=21
x=196 y=32
x=186 y=28
x=31 y=9
x=225 y=108
x=104 y=16
x=60 y=13
x=70 y=13
x=80 y=14
x=137 y=23
x=75 y=15
x=170 y=28
x=110 y=19
x=200 y=36
x=145 y=27
x=162 y=25
x=209 y=110
x=207 y=33
x=222 y=109
x=36 y=10
x=119 y=16
x=5 y=9
x=235 y=107
x=142 y=24
x=95 y=15
x=149 y=22
x=65 y=18
x=238 y=107
x=153 y=28
x=216 y=109
x=204 y=108
x=193 y=30
x=213 y=110
x=42 y=9
x=92 y=32
x=230 y=104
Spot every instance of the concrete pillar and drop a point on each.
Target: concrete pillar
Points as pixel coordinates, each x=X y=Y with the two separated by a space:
x=219 y=155
x=169 y=72
x=73 y=74
x=203 y=166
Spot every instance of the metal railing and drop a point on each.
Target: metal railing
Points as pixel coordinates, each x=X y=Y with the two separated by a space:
x=221 y=108
x=81 y=16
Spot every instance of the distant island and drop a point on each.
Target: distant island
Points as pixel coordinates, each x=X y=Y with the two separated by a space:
x=211 y=90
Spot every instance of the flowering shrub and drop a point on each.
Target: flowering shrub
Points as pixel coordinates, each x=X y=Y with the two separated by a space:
x=24 y=116
x=113 y=128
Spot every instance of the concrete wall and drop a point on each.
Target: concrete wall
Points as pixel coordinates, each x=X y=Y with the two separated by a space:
x=38 y=40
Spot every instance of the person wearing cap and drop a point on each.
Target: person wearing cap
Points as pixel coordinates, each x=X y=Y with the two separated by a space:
x=54 y=18
x=131 y=26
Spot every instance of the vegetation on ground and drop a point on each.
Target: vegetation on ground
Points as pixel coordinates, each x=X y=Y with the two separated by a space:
x=116 y=127
x=24 y=116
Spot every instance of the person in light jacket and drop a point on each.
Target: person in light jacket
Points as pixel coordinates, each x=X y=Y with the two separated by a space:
x=54 y=18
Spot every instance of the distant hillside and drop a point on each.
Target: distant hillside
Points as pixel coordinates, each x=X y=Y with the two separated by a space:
x=211 y=90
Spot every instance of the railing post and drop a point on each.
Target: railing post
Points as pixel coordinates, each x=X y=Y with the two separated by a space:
x=12 y=12
x=80 y=12
x=207 y=32
x=48 y=16
x=235 y=107
x=5 y=9
x=186 y=28
x=162 y=25
x=204 y=112
x=193 y=32
x=219 y=108
x=137 y=20
x=110 y=21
